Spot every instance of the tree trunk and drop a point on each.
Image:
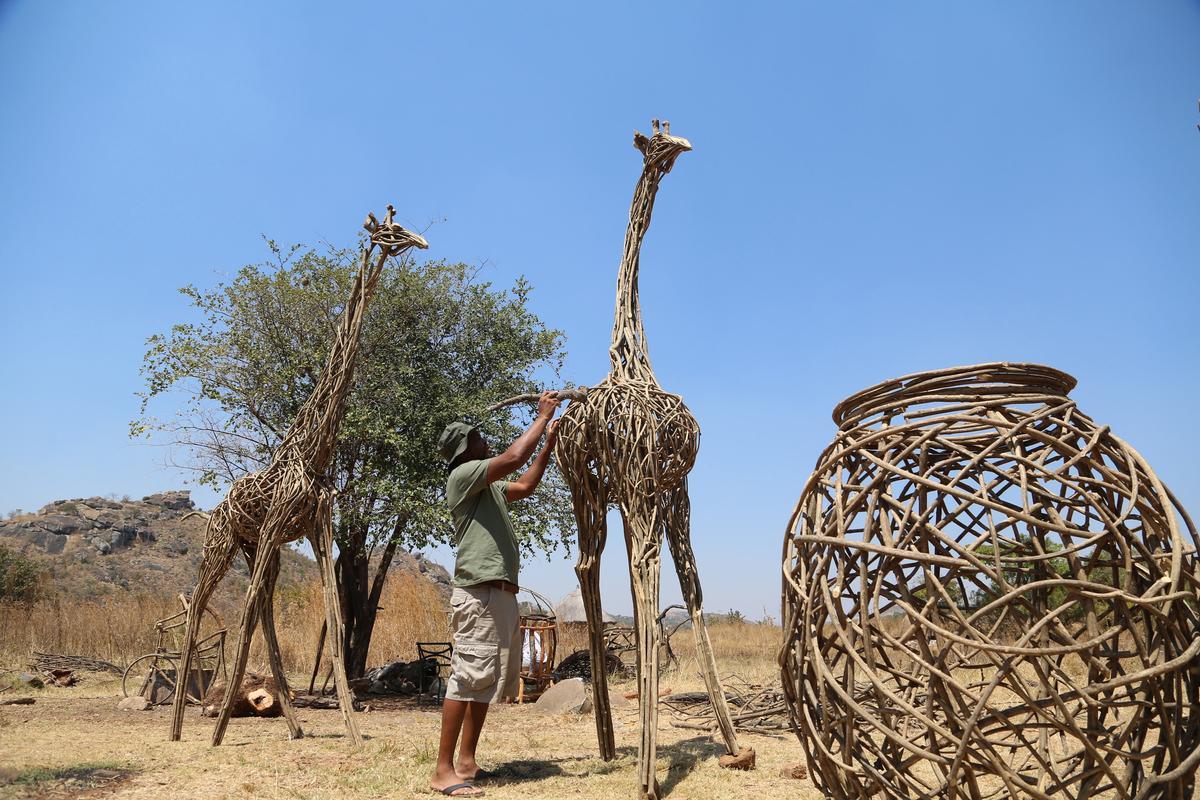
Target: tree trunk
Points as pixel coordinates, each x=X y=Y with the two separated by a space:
x=360 y=593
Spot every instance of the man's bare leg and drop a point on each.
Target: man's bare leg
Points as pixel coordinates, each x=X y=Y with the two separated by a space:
x=453 y=714
x=466 y=767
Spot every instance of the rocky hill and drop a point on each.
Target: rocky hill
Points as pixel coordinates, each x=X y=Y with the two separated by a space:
x=93 y=546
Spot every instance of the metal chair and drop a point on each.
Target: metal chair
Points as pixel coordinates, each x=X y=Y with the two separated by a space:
x=435 y=661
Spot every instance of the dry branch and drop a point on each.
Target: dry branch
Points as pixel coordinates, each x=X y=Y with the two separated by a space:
x=577 y=394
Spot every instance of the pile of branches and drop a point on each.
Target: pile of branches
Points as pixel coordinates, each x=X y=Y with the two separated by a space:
x=50 y=662
x=754 y=708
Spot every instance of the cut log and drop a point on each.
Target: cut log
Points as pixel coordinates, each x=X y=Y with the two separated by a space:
x=261 y=700
x=257 y=697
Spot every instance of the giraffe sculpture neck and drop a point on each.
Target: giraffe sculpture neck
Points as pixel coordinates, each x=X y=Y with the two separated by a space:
x=628 y=353
x=313 y=435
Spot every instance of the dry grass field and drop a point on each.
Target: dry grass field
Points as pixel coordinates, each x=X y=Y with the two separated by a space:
x=75 y=743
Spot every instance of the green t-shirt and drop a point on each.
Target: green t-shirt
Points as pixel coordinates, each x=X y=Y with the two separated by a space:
x=484 y=536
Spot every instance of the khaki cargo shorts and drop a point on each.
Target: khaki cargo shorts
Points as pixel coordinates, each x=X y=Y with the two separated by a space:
x=486 y=665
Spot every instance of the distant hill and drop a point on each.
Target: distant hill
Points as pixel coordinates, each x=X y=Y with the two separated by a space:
x=94 y=546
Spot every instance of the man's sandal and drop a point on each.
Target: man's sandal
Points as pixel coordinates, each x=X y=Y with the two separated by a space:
x=449 y=791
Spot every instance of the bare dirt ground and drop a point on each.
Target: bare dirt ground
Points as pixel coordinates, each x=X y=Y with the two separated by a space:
x=76 y=743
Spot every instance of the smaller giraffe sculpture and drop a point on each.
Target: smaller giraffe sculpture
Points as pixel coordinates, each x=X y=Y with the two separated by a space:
x=628 y=443
x=290 y=499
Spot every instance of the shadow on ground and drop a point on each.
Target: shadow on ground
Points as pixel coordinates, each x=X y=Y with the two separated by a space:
x=51 y=783
x=684 y=756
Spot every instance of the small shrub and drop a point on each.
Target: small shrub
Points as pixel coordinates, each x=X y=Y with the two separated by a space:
x=20 y=579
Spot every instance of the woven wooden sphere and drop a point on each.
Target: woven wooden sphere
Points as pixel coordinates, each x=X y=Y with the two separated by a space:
x=988 y=595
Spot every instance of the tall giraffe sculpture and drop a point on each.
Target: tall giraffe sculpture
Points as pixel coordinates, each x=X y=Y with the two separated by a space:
x=292 y=498
x=629 y=443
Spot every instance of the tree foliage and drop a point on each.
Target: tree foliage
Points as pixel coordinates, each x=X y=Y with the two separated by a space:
x=438 y=345
x=20 y=579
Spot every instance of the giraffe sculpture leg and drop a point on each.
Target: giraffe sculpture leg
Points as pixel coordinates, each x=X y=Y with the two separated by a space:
x=250 y=608
x=587 y=497
x=219 y=548
x=266 y=617
x=322 y=544
x=644 y=545
x=677 y=518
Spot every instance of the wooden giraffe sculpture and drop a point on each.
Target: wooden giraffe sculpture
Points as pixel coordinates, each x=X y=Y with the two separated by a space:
x=630 y=444
x=292 y=498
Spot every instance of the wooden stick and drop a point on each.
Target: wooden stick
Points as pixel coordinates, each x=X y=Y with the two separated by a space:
x=577 y=394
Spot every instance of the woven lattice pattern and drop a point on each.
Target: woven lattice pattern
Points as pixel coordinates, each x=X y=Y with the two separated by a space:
x=292 y=498
x=628 y=443
x=988 y=595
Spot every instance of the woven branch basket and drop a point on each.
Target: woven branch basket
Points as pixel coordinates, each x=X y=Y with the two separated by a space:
x=987 y=595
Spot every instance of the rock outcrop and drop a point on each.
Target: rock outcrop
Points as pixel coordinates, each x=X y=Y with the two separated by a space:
x=92 y=546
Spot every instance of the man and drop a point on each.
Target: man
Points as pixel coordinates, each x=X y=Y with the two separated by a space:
x=486 y=665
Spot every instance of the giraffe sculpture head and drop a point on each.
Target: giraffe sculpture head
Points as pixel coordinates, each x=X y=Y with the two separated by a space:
x=391 y=237
x=661 y=149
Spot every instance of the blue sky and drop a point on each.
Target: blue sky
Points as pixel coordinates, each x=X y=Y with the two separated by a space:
x=876 y=189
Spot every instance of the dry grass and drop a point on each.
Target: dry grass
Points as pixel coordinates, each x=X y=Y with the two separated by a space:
x=535 y=755
x=116 y=628
x=119 y=628
x=79 y=731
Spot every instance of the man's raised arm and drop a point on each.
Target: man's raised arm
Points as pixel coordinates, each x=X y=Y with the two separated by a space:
x=520 y=450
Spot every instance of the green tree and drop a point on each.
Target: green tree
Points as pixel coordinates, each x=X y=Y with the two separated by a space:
x=438 y=345
x=20 y=579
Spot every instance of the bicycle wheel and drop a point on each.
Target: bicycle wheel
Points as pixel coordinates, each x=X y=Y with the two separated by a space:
x=151 y=676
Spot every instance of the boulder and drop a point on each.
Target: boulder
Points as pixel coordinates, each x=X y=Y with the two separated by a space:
x=177 y=547
x=565 y=697
x=100 y=503
x=107 y=519
x=175 y=501
x=135 y=703
x=119 y=538
x=48 y=542
x=63 y=524
x=102 y=546
x=53 y=545
x=89 y=513
x=28 y=680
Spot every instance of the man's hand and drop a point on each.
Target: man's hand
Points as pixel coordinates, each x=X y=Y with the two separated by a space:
x=547 y=403
x=552 y=433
